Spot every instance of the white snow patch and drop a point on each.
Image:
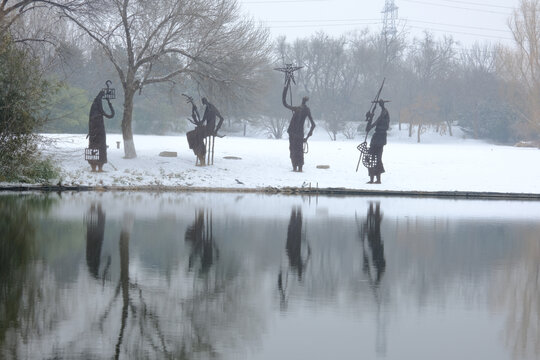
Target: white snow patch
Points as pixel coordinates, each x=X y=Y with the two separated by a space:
x=439 y=163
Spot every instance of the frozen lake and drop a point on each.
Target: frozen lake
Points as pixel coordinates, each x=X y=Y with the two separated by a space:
x=102 y=275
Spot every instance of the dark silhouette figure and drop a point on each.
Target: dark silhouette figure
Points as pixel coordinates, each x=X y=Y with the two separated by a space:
x=95 y=230
x=209 y=117
x=200 y=236
x=297 y=261
x=294 y=243
x=296 y=128
x=196 y=137
x=372 y=231
x=378 y=140
x=97 y=137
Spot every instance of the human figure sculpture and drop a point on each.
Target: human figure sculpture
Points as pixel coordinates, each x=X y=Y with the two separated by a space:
x=296 y=128
x=378 y=140
x=97 y=138
x=209 y=117
x=196 y=137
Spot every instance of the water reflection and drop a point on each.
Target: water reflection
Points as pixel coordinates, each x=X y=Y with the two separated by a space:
x=297 y=254
x=373 y=259
x=95 y=231
x=373 y=252
x=194 y=276
x=200 y=235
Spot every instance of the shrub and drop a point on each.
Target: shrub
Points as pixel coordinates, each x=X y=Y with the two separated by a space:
x=24 y=95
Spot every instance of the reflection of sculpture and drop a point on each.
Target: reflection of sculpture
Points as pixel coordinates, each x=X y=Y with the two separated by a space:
x=296 y=128
x=373 y=257
x=96 y=131
x=293 y=247
x=200 y=236
x=378 y=140
x=294 y=243
x=372 y=231
x=94 y=238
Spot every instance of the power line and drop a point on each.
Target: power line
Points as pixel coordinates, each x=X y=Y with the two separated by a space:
x=321 y=22
x=462 y=33
x=324 y=25
x=456 y=32
x=479 y=4
x=281 y=1
x=461 y=26
x=456 y=7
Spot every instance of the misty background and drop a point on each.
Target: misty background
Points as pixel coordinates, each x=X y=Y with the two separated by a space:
x=488 y=88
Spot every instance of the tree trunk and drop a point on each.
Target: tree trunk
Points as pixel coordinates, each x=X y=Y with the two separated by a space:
x=127 y=131
x=419 y=132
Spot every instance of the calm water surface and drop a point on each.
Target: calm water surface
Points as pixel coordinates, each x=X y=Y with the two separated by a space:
x=228 y=276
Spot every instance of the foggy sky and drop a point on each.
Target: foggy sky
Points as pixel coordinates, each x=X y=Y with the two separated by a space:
x=467 y=22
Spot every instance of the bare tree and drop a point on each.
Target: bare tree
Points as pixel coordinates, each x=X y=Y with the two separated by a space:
x=159 y=41
x=12 y=11
x=432 y=64
x=522 y=66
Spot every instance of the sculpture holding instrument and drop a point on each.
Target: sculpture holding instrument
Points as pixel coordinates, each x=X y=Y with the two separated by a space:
x=96 y=153
x=209 y=117
x=202 y=139
x=296 y=126
x=371 y=157
x=196 y=137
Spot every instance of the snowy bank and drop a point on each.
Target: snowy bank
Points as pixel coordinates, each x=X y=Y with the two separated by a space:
x=439 y=163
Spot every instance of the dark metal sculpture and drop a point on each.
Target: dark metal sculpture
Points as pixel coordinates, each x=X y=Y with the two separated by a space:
x=296 y=126
x=96 y=153
x=376 y=145
x=209 y=116
x=197 y=136
x=367 y=159
x=289 y=70
x=109 y=93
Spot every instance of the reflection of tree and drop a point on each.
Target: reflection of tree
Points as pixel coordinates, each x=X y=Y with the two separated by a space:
x=200 y=236
x=132 y=291
x=519 y=295
x=137 y=311
x=95 y=230
x=17 y=236
x=293 y=247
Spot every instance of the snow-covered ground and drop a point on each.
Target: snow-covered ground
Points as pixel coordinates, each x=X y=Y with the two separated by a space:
x=438 y=163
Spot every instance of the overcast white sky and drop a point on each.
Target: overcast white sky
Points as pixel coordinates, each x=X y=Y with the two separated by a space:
x=466 y=21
